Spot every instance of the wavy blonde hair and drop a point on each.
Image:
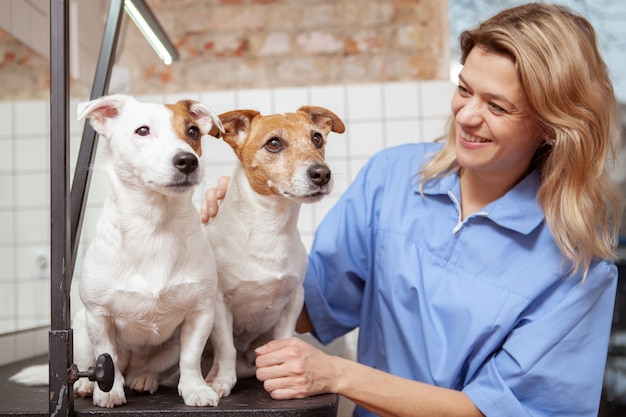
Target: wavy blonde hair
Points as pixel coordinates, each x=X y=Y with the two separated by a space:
x=568 y=91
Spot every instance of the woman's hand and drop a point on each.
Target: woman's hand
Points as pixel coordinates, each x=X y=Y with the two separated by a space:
x=212 y=197
x=292 y=368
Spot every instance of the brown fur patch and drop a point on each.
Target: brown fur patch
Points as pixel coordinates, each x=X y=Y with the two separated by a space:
x=185 y=126
x=248 y=132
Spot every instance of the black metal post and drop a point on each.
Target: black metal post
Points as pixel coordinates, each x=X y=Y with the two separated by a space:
x=61 y=398
x=89 y=141
x=67 y=206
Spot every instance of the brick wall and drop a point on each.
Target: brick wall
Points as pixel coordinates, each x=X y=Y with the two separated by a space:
x=23 y=73
x=270 y=43
x=234 y=44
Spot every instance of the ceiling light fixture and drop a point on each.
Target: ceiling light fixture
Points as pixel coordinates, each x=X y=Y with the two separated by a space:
x=147 y=24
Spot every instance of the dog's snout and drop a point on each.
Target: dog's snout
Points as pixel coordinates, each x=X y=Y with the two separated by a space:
x=319 y=174
x=185 y=162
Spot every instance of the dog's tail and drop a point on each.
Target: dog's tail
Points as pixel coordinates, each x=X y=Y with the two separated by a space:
x=34 y=376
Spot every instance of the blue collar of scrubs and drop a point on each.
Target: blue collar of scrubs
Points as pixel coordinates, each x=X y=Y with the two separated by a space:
x=517 y=210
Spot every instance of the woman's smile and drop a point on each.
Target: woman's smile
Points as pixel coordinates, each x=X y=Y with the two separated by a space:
x=471 y=138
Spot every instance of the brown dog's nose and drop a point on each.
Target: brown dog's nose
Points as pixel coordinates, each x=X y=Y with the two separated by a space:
x=319 y=174
x=185 y=162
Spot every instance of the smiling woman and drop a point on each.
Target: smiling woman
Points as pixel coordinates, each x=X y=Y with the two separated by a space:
x=606 y=17
x=496 y=135
x=465 y=279
x=572 y=110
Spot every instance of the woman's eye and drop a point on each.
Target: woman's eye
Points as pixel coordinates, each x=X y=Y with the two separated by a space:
x=142 y=131
x=193 y=132
x=462 y=90
x=497 y=108
x=317 y=139
x=274 y=145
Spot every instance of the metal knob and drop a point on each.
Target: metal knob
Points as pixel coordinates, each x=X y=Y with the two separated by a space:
x=103 y=373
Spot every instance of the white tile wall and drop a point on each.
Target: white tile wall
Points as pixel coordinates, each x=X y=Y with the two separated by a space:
x=24 y=214
x=6 y=119
x=289 y=99
x=376 y=116
x=23 y=345
x=364 y=102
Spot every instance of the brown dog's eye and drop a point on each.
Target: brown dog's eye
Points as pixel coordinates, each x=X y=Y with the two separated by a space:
x=317 y=139
x=274 y=145
x=143 y=131
x=193 y=132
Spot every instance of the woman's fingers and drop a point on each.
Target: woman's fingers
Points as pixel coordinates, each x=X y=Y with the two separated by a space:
x=289 y=368
x=212 y=197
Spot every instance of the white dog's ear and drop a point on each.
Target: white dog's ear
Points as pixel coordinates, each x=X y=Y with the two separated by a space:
x=207 y=119
x=102 y=109
x=324 y=118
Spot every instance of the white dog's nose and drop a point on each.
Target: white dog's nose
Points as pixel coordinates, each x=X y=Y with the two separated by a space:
x=185 y=162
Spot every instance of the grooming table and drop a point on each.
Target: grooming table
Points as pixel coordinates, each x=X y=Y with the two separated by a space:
x=248 y=399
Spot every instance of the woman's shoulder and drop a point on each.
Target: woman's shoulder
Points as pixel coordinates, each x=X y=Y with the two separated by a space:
x=413 y=154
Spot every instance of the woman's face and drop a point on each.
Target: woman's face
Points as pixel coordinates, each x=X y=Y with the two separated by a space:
x=495 y=132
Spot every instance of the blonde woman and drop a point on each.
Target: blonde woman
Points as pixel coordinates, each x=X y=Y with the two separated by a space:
x=478 y=271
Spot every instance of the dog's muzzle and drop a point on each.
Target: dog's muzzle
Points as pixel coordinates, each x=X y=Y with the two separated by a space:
x=185 y=162
x=319 y=174
x=187 y=172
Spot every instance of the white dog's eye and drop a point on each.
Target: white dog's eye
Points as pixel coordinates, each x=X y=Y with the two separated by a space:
x=317 y=139
x=274 y=145
x=143 y=131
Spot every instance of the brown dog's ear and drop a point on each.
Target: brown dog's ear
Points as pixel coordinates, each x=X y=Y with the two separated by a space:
x=235 y=123
x=324 y=118
x=215 y=132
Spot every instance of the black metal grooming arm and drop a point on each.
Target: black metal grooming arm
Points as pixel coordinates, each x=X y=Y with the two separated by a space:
x=66 y=219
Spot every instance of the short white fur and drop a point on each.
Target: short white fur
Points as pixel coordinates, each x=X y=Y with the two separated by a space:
x=149 y=281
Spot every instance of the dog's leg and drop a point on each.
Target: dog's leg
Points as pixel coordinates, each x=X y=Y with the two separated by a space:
x=223 y=375
x=195 y=332
x=145 y=372
x=101 y=330
x=83 y=355
x=246 y=367
x=286 y=324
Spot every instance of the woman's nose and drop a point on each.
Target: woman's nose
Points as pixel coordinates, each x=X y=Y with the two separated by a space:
x=469 y=113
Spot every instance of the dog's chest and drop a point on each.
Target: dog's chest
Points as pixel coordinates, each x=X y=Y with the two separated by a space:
x=257 y=306
x=148 y=319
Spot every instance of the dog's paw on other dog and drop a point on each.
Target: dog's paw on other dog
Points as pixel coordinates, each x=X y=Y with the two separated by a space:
x=148 y=281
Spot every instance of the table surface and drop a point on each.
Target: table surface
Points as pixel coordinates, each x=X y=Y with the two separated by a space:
x=248 y=399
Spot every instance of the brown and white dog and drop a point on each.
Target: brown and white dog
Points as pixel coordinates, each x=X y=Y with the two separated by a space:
x=261 y=261
x=148 y=281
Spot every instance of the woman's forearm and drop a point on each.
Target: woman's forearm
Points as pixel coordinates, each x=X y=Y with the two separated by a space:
x=388 y=395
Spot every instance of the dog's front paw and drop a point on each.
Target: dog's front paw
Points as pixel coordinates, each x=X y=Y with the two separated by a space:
x=222 y=385
x=145 y=383
x=109 y=399
x=198 y=395
x=83 y=388
x=222 y=379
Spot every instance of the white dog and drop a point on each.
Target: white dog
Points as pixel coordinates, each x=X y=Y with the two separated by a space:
x=149 y=280
x=261 y=260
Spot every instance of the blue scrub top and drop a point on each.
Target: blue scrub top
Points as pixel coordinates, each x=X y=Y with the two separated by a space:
x=483 y=305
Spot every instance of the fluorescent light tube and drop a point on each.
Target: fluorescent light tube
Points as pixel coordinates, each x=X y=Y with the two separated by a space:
x=149 y=29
